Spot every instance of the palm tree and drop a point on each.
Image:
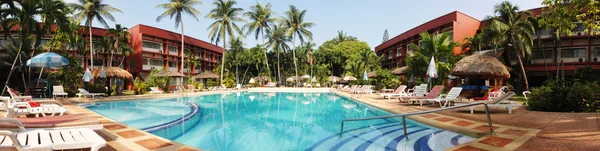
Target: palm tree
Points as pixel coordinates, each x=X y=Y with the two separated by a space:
x=90 y=10
x=225 y=15
x=261 y=17
x=439 y=46
x=296 y=27
x=120 y=43
x=342 y=36
x=236 y=55
x=175 y=8
x=277 y=42
x=513 y=30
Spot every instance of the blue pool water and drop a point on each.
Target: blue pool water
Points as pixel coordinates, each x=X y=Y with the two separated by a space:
x=274 y=121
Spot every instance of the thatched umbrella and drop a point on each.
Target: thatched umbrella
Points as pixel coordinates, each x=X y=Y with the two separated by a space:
x=401 y=70
x=262 y=78
x=113 y=72
x=206 y=75
x=482 y=66
x=169 y=73
x=371 y=75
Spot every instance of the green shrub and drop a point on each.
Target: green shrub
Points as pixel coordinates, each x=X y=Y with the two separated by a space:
x=140 y=86
x=554 y=97
x=95 y=87
x=228 y=82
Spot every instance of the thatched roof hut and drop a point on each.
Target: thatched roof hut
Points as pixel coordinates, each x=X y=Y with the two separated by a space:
x=169 y=73
x=262 y=78
x=113 y=72
x=334 y=78
x=206 y=75
x=401 y=70
x=480 y=65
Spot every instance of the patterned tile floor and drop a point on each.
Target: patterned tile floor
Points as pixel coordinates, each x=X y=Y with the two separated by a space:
x=506 y=137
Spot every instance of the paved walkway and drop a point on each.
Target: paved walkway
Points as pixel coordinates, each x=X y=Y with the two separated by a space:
x=558 y=131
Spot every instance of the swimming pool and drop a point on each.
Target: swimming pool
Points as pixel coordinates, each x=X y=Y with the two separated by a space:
x=274 y=121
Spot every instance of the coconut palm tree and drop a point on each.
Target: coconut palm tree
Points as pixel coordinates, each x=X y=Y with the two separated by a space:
x=90 y=10
x=439 y=46
x=261 y=18
x=343 y=36
x=295 y=25
x=515 y=32
x=225 y=15
x=278 y=43
x=120 y=43
x=176 y=8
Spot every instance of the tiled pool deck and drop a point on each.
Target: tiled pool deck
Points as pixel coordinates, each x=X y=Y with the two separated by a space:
x=522 y=130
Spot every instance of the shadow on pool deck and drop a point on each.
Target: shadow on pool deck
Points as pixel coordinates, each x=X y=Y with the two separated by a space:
x=559 y=131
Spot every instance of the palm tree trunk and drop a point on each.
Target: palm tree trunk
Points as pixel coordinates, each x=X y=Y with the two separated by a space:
x=91 y=48
x=295 y=64
x=182 y=43
x=265 y=52
x=278 y=69
x=12 y=69
x=223 y=59
x=522 y=67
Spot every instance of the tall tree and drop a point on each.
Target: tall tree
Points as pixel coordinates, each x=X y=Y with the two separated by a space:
x=439 y=46
x=515 y=32
x=278 y=43
x=90 y=10
x=343 y=36
x=386 y=36
x=293 y=21
x=260 y=17
x=120 y=43
x=176 y=8
x=225 y=15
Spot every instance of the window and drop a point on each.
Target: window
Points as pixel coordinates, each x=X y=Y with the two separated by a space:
x=421 y=43
x=208 y=57
x=399 y=51
x=390 y=55
x=152 y=46
x=172 y=64
x=399 y=64
x=153 y=62
x=408 y=49
x=580 y=27
x=573 y=53
x=172 y=50
x=539 y=54
x=3 y=43
x=96 y=62
x=596 y=52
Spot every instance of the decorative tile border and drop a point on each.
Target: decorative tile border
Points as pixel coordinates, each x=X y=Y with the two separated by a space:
x=506 y=137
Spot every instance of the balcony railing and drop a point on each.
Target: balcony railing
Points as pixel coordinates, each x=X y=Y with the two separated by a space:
x=150 y=67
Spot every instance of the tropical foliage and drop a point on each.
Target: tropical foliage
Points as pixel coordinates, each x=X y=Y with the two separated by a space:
x=225 y=14
x=439 y=46
x=293 y=21
x=175 y=9
x=261 y=18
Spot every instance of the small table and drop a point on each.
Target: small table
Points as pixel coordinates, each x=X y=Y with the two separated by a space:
x=387 y=90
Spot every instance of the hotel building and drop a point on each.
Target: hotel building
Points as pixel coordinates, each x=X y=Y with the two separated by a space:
x=575 y=51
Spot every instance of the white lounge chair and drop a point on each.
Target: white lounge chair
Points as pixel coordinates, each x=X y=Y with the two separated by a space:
x=85 y=93
x=500 y=101
x=58 y=90
x=419 y=93
x=66 y=138
x=155 y=90
x=318 y=85
x=433 y=93
x=447 y=98
x=398 y=92
x=24 y=108
x=17 y=97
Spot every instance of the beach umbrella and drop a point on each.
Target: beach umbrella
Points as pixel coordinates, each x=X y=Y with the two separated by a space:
x=333 y=78
x=102 y=73
x=411 y=79
x=305 y=77
x=313 y=79
x=251 y=80
x=87 y=76
x=365 y=77
x=349 y=78
x=112 y=72
x=431 y=70
x=46 y=60
x=206 y=75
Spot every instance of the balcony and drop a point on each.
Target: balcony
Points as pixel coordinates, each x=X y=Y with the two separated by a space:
x=174 y=69
x=150 y=67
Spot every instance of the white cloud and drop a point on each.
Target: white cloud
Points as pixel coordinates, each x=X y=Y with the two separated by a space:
x=70 y=1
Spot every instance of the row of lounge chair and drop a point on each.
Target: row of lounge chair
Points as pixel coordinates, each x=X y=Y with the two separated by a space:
x=358 y=89
x=419 y=95
x=64 y=138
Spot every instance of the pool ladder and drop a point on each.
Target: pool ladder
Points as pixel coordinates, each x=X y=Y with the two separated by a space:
x=484 y=103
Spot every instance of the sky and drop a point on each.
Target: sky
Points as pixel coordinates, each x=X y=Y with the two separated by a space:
x=365 y=19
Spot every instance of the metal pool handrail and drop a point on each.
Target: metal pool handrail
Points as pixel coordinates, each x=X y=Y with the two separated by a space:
x=423 y=112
